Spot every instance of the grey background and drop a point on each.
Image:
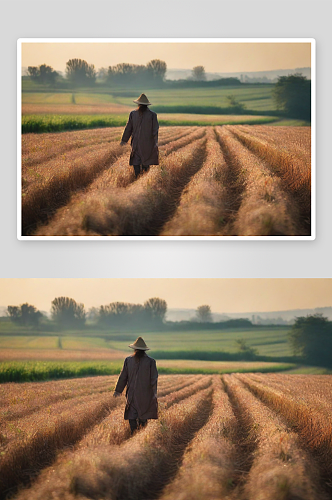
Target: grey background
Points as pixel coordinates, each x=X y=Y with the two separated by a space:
x=145 y=259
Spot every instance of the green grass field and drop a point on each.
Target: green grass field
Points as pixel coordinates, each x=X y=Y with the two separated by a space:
x=46 y=111
x=59 y=123
x=27 y=356
x=256 y=97
x=19 y=371
x=268 y=341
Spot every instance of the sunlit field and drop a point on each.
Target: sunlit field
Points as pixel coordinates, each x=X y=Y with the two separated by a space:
x=232 y=180
x=239 y=436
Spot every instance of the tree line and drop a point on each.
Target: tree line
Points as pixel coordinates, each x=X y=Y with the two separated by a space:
x=80 y=73
x=66 y=313
x=310 y=336
x=291 y=94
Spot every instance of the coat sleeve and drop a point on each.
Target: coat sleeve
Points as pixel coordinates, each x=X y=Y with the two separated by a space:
x=154 y=376
x=155 y=127
x=123 y=378
x=128 y=129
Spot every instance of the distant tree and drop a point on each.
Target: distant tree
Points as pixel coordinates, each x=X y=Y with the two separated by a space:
x=292 y=94
x=126 y=73
x=246 y=351
x=198 y=73
x=121 y=314
x=102 y=74
x=25 y=314
x=157 y=69
x=33 y=72
x=92 y=314
x=156 y=309
x=235 y=105
x=311 y=338
x=203 y=314
x=80 y=73
x=67 y=313
x=42 y=74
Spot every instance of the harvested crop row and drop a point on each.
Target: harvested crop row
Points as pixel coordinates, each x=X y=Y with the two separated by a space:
x=313 y=427
x=174 y=397
x=121 y=174
x=37 y=149
x=181 y=142
x=22 y=429
x=294 y=170
x=209 y=463
x=140 y=209
x=265 y=208
x=180 y=384
x=46 y=436
x=111 y=430
x=279 y=464
x=137 y=469
x=62 y=180
x=285 y=137
x=172 y=135
x=114 y=430
x=203 y=205
x=313 y=390
x=29 y=392
x=35 y=401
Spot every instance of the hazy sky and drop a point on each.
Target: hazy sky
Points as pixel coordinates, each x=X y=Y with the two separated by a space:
x=223 y=295
x=215 y=57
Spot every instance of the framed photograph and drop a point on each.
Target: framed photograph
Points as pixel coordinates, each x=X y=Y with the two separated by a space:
x=181 y=139
x=136 y=389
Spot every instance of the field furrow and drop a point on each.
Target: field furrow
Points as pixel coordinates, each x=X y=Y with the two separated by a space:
x=313 y=428
x=287 y=138
x=114 y=430
x=45 y=435
x=35 y=402
x=40 y=148
x=139 y=468
x=62 y=180
x=293 y=167
x=265 y=208
x=140 y=209
x=279 y=465
x=315 y=391
x=256 y=182
x=209 y=464
x=203 y=207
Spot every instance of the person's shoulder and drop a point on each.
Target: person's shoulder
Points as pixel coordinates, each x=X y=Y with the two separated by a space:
x=153 y=112
x=152 y=360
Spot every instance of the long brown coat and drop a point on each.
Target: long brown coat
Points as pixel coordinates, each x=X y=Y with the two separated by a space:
x=140 y=376
x=143 y=129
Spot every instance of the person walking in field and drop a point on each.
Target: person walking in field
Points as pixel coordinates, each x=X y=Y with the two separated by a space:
x=142 y=127
x=140 y=375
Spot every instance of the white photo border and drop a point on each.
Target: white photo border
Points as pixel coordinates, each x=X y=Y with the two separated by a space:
x=312 y=41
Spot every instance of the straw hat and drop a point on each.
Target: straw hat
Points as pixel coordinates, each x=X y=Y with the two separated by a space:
x=143 y=100
x=139 y=344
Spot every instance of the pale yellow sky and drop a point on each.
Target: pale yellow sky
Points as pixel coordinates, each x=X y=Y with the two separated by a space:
x=223 y=295
x=215 y=57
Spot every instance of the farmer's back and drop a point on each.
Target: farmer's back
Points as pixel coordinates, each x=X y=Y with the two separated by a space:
x=143 y=127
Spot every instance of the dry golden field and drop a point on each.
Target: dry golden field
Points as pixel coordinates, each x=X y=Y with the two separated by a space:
x=239 y=436
x=234 y=180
